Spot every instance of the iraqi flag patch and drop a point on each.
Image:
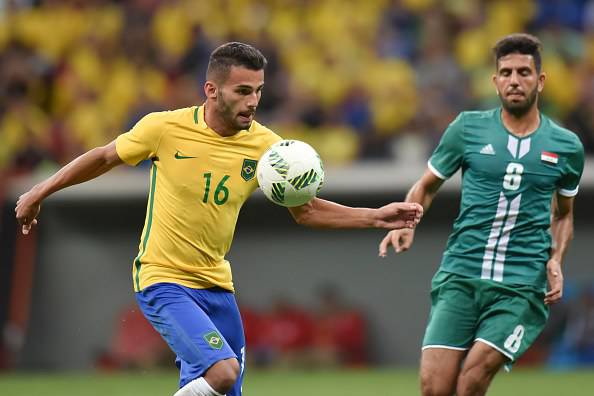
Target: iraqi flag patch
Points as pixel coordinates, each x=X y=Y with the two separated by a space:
x=549 y=157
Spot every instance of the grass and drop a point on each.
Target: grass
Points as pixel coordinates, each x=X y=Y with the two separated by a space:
x=384 y=382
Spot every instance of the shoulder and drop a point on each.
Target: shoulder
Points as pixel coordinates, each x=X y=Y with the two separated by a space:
x=475 y=124
x=478 y=115
x=465 y=118
x=170 y=115
x=564 y=137
x=184 y=112
x=160 y=122
x=155 y=118
x=262 y=132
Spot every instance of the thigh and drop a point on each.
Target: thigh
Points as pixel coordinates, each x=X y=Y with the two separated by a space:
x=224 y=313
x=511 y=320
x=480 y=367
x=453 y=316
x=484 y=358
x=186 y=327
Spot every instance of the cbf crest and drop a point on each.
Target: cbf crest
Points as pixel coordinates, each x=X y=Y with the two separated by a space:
x=248 y=169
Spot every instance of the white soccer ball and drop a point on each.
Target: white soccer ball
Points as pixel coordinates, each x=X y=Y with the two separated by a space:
x=290 y=173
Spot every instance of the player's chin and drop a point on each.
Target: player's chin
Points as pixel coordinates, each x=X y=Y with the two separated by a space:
x=518 y=107
x=516 y=102
x=244 y=121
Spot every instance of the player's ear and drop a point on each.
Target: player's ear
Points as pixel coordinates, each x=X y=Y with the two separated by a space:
x=210 y=90
x=541 y=80
x=494 y=80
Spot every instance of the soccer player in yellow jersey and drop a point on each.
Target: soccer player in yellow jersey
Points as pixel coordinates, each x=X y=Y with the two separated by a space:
x=203 y=166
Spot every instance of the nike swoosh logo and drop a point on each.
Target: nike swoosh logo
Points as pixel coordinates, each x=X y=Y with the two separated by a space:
x=179 y=156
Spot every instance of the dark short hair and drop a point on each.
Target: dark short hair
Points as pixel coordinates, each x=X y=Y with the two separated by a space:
x=234 y=54
x=519 y=43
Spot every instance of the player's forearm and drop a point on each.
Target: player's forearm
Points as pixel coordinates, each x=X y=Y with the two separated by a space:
x=320 y=213
x=421 y=194
x=562 y=234
x=85 y=167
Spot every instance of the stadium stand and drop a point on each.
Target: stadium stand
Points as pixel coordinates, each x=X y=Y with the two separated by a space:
x=369 y=76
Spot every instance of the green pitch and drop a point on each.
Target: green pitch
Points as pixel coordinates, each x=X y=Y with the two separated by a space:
x=385 y=382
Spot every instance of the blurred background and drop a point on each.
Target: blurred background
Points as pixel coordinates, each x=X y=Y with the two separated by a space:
x=370 y=84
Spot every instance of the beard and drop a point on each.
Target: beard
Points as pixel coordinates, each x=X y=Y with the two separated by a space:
x=520 y=108
x=228 y=115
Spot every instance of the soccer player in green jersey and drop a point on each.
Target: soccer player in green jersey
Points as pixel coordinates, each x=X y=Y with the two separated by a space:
x=489 y=296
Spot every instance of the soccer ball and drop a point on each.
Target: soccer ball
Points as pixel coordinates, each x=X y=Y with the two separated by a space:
x=290 y=173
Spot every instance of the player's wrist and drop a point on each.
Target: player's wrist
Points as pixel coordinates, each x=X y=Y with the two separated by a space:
x=555 y=260
x=39 y=193
x=376 y=218
x=555 y=256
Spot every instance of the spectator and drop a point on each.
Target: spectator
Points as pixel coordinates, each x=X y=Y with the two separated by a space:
x=287 y=332
x=363 y=75
x=341 y=331
x=258 y=349
x=135 y=344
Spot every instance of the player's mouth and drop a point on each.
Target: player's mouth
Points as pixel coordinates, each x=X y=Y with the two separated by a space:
x=245 y=117
x=515 y=94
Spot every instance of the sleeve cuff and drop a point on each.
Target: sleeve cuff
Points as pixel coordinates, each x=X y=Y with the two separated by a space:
x=120 y=151
x=569 y=193
x=436 y=172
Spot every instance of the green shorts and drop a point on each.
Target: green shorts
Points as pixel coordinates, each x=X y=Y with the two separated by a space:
x=465 y=310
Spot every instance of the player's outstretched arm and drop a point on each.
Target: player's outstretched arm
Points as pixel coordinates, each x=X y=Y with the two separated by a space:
x=562 y=233
x=88 y=166
x=320 y=213
x=422 y=192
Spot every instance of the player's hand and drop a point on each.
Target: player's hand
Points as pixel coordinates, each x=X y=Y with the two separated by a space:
x=401 y=240
x=555 y=278
x=399 y=215
x=27 y=209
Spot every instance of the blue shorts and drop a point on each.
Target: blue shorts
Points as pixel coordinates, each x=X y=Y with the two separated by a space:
x=202 y=327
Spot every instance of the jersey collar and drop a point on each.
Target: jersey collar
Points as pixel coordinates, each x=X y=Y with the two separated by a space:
x=199 y=117
x=543 y=121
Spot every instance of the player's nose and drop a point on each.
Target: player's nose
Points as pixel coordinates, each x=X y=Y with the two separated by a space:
x=252 y=101
x=514 y=80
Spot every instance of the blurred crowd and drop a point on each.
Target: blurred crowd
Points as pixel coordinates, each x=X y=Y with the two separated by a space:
x=329 y=333
x=376 y=79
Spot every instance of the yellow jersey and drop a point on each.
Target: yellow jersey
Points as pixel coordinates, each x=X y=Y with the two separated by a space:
x=199 y=181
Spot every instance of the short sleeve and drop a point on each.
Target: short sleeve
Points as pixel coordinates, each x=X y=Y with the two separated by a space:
x=142 y=141
x=574 y=166
x=447 y=157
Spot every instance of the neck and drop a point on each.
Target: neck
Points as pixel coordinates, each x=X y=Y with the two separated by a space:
x=521 y=125
x=216 y=122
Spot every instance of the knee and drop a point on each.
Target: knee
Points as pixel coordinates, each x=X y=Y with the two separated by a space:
x=223 y=375
x=475 y=379
x=432 y=385
x=468 y=383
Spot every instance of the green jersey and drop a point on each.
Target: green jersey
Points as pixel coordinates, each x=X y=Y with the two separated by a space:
x=502 y=232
